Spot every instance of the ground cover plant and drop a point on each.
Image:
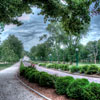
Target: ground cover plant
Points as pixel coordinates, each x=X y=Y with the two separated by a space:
x=78 y=89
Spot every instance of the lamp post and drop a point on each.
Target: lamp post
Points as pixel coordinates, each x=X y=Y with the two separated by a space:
x=62 y=47
x=50 y=57
x=41 y=58
x=36 y=58
x=77 y=56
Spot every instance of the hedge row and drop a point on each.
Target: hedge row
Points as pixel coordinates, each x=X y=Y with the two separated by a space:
x=79 y=89
x=42 y=64
x=56 y=66
x=43 y=78
x=86 y=69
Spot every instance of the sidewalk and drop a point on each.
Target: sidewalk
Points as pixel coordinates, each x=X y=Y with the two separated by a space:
x=11 y=88
x=59 y=73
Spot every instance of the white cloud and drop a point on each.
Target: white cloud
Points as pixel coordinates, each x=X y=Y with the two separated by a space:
x=30 y=31
x=94 y=32
x=34 y=27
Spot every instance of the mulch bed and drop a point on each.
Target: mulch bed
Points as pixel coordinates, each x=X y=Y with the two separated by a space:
x=48 y=92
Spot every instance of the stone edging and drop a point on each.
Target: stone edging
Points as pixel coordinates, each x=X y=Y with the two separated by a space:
x=32 y=89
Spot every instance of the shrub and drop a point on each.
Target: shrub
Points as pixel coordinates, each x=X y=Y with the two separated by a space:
x=35 y=62
x=56 y=66
x=37 y=76
x=29 y=73
x=63 y=67
x=74 y=69
x=46 y=80
x=86 y=94
x=62 y=84
x=92 y=69
x=22 y=70
x=32 y=76
x=28 y=69
x=42 y=64
x=76 y=88
x=84 y=68
x=54 y=78
x=95 y=89
x=50 y=65
x=98 y=71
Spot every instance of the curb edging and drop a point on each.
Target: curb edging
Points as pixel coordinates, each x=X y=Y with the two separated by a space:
x=41 y=95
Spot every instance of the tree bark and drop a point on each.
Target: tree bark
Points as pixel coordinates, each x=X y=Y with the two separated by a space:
x=95 y=60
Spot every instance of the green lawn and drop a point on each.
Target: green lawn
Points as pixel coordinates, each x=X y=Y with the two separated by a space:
x=81 y=64
x=3 y=66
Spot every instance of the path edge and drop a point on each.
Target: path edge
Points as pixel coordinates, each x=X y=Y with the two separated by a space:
x=41 y=95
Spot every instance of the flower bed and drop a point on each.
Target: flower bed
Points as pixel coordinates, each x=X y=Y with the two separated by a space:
x=79 y=89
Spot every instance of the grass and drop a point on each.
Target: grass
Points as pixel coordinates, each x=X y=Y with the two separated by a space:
x=3 y=66
x=81 y=64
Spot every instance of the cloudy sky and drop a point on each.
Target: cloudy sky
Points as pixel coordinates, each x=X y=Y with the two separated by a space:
x=34 y=27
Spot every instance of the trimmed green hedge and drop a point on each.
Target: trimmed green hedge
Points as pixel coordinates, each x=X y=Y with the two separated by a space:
x=74 y=69
x=79 y=89
x=43 y=78
x=22 y=69
x=95 y=89
x=76 y=88
x=86 y=69
x=92 y=69
x=42 y=64
x=64 y=67
x=46 y=80
x=83 y=69
x=63 y=82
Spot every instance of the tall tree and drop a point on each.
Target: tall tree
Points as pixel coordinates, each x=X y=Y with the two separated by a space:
x=12 y=49
x=41 y=51
x=8 y=53
x=71 y=42
x=16 y=45
x=93 y=49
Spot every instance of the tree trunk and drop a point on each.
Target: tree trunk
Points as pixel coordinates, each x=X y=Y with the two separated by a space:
x=95 y=60
x=63 y=60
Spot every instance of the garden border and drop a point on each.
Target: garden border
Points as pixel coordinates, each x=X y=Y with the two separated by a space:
x=41 y=95
x=70 y=73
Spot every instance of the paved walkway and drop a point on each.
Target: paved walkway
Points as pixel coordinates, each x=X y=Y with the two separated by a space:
x=11 y=88
x=59 y=73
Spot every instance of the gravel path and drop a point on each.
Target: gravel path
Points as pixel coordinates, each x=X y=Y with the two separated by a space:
x=59 y=73
x=10 y=87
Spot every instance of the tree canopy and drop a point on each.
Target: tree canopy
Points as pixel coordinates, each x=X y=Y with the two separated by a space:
x=10 y=10
x=11 y=49
x=73 y=15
